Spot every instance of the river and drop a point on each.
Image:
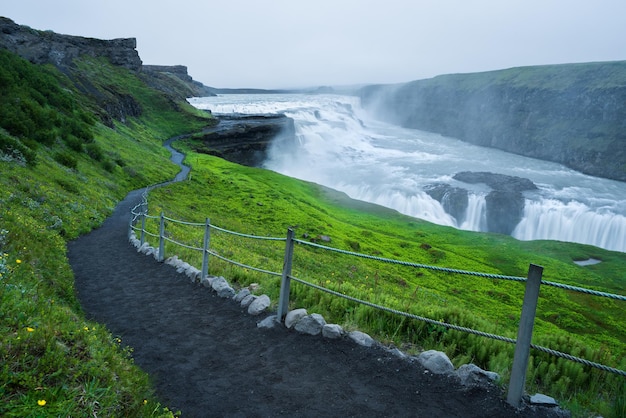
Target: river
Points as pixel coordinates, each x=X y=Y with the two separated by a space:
x=340 y=146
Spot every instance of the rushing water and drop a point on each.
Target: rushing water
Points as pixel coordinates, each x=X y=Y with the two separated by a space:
x=340 y=146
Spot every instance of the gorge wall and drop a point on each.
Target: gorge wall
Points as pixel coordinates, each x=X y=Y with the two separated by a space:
x=47 y=47
x=573 y=114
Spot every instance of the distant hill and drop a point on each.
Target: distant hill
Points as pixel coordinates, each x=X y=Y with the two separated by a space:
x=573 y=114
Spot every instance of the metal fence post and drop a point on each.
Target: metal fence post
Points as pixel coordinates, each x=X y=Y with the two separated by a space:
x=524 y=336
x=162 y=238
x=283 y=301
x=205 y=248
x=143 y=228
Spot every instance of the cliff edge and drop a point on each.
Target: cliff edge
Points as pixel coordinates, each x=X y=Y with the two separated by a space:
x=47 y=47
x=573 y=114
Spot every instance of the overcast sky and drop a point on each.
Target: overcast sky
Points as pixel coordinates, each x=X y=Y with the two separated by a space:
x=297 y=43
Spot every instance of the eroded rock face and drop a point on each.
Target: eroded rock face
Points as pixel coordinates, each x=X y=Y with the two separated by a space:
x=500 y=182
x=572 y=114
x=43 y=47
x=244 y=139
x=504 y=203
x=453 y=199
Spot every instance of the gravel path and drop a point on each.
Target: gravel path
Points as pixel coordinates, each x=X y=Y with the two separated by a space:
x=209 y=359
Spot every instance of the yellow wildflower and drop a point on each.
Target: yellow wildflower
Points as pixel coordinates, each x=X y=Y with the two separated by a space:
x=29 y=329
x=41 y=402
x=18 y=261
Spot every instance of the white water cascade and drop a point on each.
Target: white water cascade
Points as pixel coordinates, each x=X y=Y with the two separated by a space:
x=340 y=146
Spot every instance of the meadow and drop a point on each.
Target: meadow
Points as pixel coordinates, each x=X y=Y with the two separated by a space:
x=265 y=204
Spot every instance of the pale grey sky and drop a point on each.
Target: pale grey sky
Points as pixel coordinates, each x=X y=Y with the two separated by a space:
x=295 y=43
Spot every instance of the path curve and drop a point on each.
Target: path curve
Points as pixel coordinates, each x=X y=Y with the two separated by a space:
x=208 y=358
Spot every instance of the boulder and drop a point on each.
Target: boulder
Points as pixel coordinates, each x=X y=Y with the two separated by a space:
x=294 y=316
x=436 y=362
x=259 y=305
x=361 y=338
x=241 y=294
x=310 y=324
x=472 y=375
x=247 y=300
x=454 y=200
x=223 y=289
x=332 y=331
x=269 y=322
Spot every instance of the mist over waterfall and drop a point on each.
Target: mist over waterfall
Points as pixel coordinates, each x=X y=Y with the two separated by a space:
x=339 y=145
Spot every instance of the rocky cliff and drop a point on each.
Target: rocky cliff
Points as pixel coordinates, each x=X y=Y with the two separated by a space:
x=46 y=47
x=42 y=47
x=175 y=81
x=573 y=114
x=244 y=139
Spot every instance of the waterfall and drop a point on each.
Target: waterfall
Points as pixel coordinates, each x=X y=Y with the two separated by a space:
x=340 y=146
x=475 y=214
x=572 y=221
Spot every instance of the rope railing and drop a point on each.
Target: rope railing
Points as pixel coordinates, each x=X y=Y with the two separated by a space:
x=459 y=328
x=246 y=266
x=523 y=342
x=465 y=272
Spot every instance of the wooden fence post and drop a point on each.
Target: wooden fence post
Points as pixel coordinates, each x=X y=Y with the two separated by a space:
x=162 y=238
x=205 y=249
x=285 y=284
x=524 y=336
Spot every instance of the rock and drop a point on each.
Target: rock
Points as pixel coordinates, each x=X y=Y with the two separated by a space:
x=361 y=338
x=259 y=305
x=472 y=375
x=241 y=294
x=332 y=331
x=294 y=316
x=223 y=289
x=269 y=322
x=205 y=282
x=436 y=362
x=540 y=399
x=453 y=199
x=244 y=139
x=47 y=47
x=247 y=300
x=193 y=273
x=310 y=324
x=504 y=211
x=500 y=182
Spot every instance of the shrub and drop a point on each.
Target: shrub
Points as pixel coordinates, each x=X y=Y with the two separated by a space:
x=67 y=159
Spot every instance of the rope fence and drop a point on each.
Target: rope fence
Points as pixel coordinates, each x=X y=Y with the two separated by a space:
x=139 y=215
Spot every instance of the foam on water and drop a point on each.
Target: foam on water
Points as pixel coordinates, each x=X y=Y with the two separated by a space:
x=340 y=146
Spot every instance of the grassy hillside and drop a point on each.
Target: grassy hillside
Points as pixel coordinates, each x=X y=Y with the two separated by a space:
x=263 y=203
x=72 y=145
x=62 y=170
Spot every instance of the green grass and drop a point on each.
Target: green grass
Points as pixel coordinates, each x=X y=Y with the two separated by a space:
x=263 y=203
x=58 y=181
x=54 y=362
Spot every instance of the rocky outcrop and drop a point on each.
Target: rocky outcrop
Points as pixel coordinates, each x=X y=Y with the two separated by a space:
x=43 y=47
x=504 y=202
x=573 y=114
x=453 y=199
x=175 y=81
x=244 y=139
x=113 y=103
